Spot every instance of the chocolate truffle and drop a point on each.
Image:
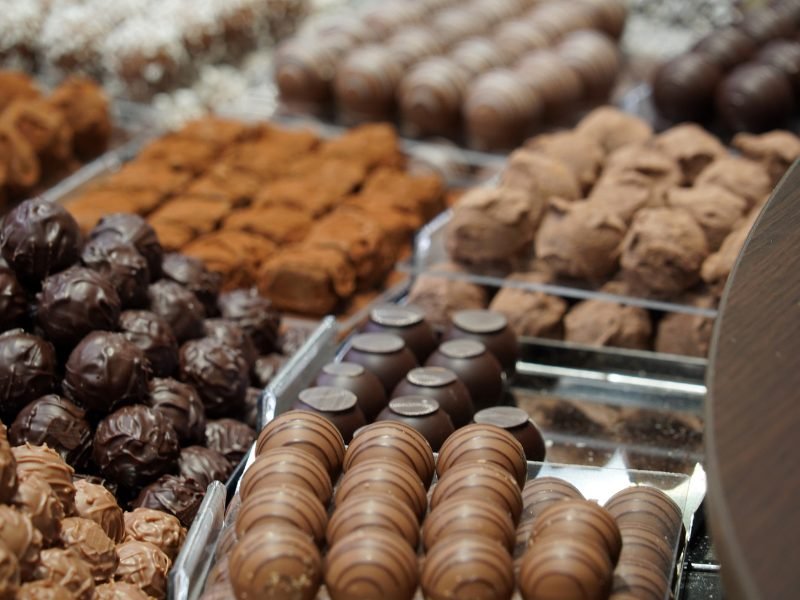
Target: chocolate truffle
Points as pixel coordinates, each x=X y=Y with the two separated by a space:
x=459 y=517
x=143 y=565
x=181 y=404
x=75 y=302
x=384 y=354
x=286 y=466
x=21 y=537
x=490 y=328
x=90 y=542
x=218 y=372
x=119 y=590
x=271 y=564
x=46 y=464
x=13 y=301
x=132 y=229
x=44 y=590
x=529 y=312
x=516 y=422
x=36 y=498
x=8 y=467
x=640 y=581
x=375 y=564
x=203 y=465
x=229 y=437
x=475 y=366
x=153 y=335
x=339 y=406
x=467 y=567
x=483 y=481
x=647 y=507
x=290 y=505
x=39 y=238
x=27 y=370
x=123 y=266
x=407 y=322
x=9 y=574
x=607 y=323
x=612 y=128
x=580 y=153
x=304 y=71
x=57 y=422
x=684 y=87
x=548 y=75
x=421 y=413
x=595 y=58
x=377 y=477
x=540 y=178
x=692 y=147
x=644 y=165
x=784 y=55
x=579 y=519
x=776 y=150
x=565 y=568
x=65 y=568
x=93 y=501
x=367 y=388
x=366 y=81
x=439 y=295
x=755 y=97
x=175 y=495
x=441 y=385
x=266 y=367
x=646 y=546
x=727 y=47
x=715 y=209
x=369 y=513
x=161 y=529
x=192 y=274
x=766 y=24
x=134 y=445
x=540 y=493
x=229 y=332
x=739 y=176
x=105 y=371
x=254 y=314
x=480 y=443
x=179 y=308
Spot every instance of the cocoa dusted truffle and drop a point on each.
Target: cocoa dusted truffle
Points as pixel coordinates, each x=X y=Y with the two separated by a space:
x=36 y=498
x=715 y=209
x=203 y=465
x=42 y=462
x=134 y=445
x=191 y=274
x=88 y=540
x=133 y=229
x=218 y=372
x=122 y=265
x=583 y=155
x=692 y=147
x=85 y=107
x=13 y=301
x=686 y=334
x=174 y=495
x=540 y=177
x=739 y=176
x=607 y=323
x=755 y=97
x=612 y=128
x=93 y=501
x=181 y=405
x=229 y=437
x=161 y=529
x=439 y=295
x=179 y=307
x=27 y=370
x=254 y=314
x=145 y=566
x=67 y=569
x=153 y=335
x=530 y=313
x=684 y=87
x=775 y=150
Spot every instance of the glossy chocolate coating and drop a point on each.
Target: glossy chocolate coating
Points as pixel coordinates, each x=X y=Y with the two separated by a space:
x=203 y=465
x=441 y=385
x=218 y=372
x=540 y=493
x=475 y=366
x=755 y=97
x=27 y=370
x=22 y=538
x=229 y=437
x=192 y=274
x=179 y=307
x=339 y=406
x=46 y=464
x=174 y=495
x=75 y=302
x=640 y=581
x=156 y=527
x=123 y=266
x=580 y=519
x=36 y=498
x=491 y=328
x=367 y=388
x=423 y=414
x=684 y=87
x=57 y=422
x=369 y=513
x=384 y=354
x=784 y=55
x=65 y=568
x=767 y=24
x=406 y=322
x=119 y=590
x=135 y=230
x=484 y=443
x=376 y=477
x=181 y=404
x=286 y=466
x=294 y=506
x=13 y=301
x=88 y=540
x=517 y=422
x=379 y=561
x=134 y=445
x=39 y=238
x=647 y=507
x=153 y=335
x=255 y=315
x=231 y=334
x=482 y=481
x=105 y=371
x=644 y=545
x=144 y=565
x=460 y=517
x=727 y=47
x=93 y=501
x=47 y=590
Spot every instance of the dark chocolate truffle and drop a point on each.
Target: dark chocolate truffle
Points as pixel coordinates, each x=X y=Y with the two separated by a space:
x=13 y=302
x=153 y=335
x=767 y=24
x=249 y=414
x=727 y=47
x=39 y=238
x=192 y=274
x=755 y=97
x=75 y=302
x=174 y=495
x=203 y=465
x=229 y=437
x=134 y=445
x=255 y=315
x=123 y=266
x=218 y=372
x=367 y=388
x=384 y=354
x=27 y=370
x=442 y=385
x=179 y=307
x=135 y=230
x=475 y=366
x=423 y=414
x=105 y=371
x=683 y=88
x=406 y=322
x=491 y=328
x=230 y=333
x=784 y=55
x=181 y=404
x=339 y=406
x=517 y=422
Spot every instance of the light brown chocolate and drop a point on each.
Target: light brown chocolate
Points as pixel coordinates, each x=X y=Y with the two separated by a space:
x=156 y=527
x=143 y=565
x=88 y=540
x=93 y=501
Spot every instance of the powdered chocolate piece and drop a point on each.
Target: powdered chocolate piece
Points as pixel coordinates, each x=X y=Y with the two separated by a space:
x=540 y=177
x=24 y=169
x=715 y=209
x=612 y=128
x=739 y=176
x=685 y=334
x=93 y=501
x=180 y=154
x=530 y=313
x=417 y=194
x=278 y=224
x=718 y=266
x=236 y=255
x=371 y=145
x=161 y=529
x=691 y=146
x=173 y=236
x=776 y=150
x=604 y=323
x=439 y=296
x=225 y=184
x=43 y=127
x=297 y=194
x=580 y=153
x=148 y=175
x=644 y=165
x=199 y=215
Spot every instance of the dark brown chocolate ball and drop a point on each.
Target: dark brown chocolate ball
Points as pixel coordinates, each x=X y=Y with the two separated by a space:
x=339 y=406
x=491 y=328
x=203 y=465
x=229 y=332
x=193 y=275
x=766 y=24
x=27 y=370
x=181 y=404
x=153 y=335
x=218 y=372
x=13 y=301
x=135 y=230
x=517 y=422
x=423 y=414
x=442 y=385
x=255 y=315
x=174 y=495
x=105 y=371
x=121 y=263
x=75 y=302
x=229 y=437
x=134 y=445
x=784 y=55
x=179 y=307
x=727 y=47
x=684 y=87
x=39 y=238
x=384 y=354
x=369 y=392
x=406 y=322
x=755 y=97
x=475 y=366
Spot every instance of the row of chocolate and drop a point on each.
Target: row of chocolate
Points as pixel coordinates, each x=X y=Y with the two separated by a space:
x=314 y=223
x=487 y=72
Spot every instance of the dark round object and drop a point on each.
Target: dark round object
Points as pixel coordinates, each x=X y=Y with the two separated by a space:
x=153 y=335
x=13 y=301
x=442 y=385
x=179 y=307
x=105 y=371
x=192 y=274
x=365 y=385
x=75 y=302
x=175 y=495
x=255 y=315
x=229 y=437
x=684 y=87
x=123 y=266
x=517 y=422
x=218 y=372
x=784 y=55
x=339 y=406
x=755 y=97
x=181 y=404
x=766 y=24
x=203 y=465
x=384 y=354
x=405 y=322
x=230 y=333
x=727 y=47
x=27 y=370
x=423 y=414
x=475 y=366
x=491 y=328
x=134 y=445
x=39 y=238
x=57 y=422
x=135 y=230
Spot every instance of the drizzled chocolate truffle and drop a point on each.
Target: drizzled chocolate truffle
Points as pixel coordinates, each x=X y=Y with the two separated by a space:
x=156 y=527
x=122 y=265
x=181 y=405
x=179 y=307
x=21 y=537
x=9 y=573
x=174 y=495
x=27 y=369
x=88 y=540
x=13 y=302
x=133 y=229
x=66 y=569
x=42 y=462
x=230 y=333
x=218 y=372
x=229 y=437
x=153 y=335
x=254 y=314
x=93 y=501
x=192 y=274
x=57 y=422
x=36 y=498
x=145 y=566
x=203 y=465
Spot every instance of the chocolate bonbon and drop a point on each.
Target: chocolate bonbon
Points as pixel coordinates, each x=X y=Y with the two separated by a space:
x=229 y=437
x=481 y=481
x=423 y=414
x=475 y=366
x=153 y=335
x=683 y=89
x=173 y=494
x=459 y=517
x=13 y=301
x=123 y=266
x=565 y=568
x=191 y=274
x=218 y=372
x=490 y=328
x=179 y=307
x=143 y=565
x=580 y=519
x=9 y=572
x=441 y=385
x=21 y=537
x=480 y=443
x=64 y=568
x=290 y=466
x=203 y=465
x=646 y=506
x=367 y=513
x=339 y=406
x=755 y=97
x=516 y=422
x=47 y=464
x=540 y=493
x=27 y=369
x=383 y=477
x=133 y=229
x=156 y=527
x=384 y=354
x=36 y=498
x=296 y=507
x=181 y=404
x=406 y=322
x=89 y=541
x=254 y=314
x=369 y=392
x=93 y=501
x=230 y=333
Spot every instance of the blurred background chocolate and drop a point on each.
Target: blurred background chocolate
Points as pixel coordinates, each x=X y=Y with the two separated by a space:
x=684 y=88
x=27 y=370
x=755 y=97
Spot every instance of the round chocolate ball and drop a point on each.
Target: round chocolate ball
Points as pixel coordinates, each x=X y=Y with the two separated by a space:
x=105 y=371
x=173 y=495
x=369 y=513
x=408 y=323
x=645 y=545
x=39 y=238
x=132 y=229
x=482 y=481
x=444 y=387
x=579 y=519
x=203 y=465
x=491 y=328
x=784 y=55
x=354 y=378
x=192 y=274
x=289 y=505
x=384 y=354
x=123 y=266
x=339 y=406
x=517 y=422
x=647 y=507
x=637 y=580
x=255 y=315
x=179 y=307
x=541 y=492
x=755 y=97
x=727 y=47
x=475 y=366
x=304 y=69
x=75 y=302
x=460 y=517
x=684 y=87
x=423 y=414
x=218 y=372
x=153 y=335
x=286 y=466
x=181 y=404
x=27 y=370
x=13 y=301
x=230 y=333
x=229 y=437
x=134 y=445
x=767 y=24
x=377 y=477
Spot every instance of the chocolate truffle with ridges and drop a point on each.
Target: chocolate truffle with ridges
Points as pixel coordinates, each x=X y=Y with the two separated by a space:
x=483 y=481
x=646 y=506
x=119 y=590
x=393 y=442
x=153 y=335
x=365 y=83
x=21 y=537
x=65 y=568
x=596 y=59
x=123 y=266
x=368 y=513
x=415 y=43
x=275 y=563
x=179 y=307
x=286 y=466
x=174 y=495
x=36 y=498
x=181 y=404
x=8 y=467
x=479 y=54
x=57 y=422
x=475 y=366
x=135 y=230
x=161 y=529
x=93 y=501
x=143 y=565
x=407 y=322
x=46 y=590
x=459 y=517
x=384 y=354
x=229 y=437
x=203 y=465
x=367 y=388
x=640 y=581
x=491 y=328
x=192 y=274
x=467 y=567
x=579 y=519
x=421 y=413
x=516 y=422
x=480 y=443
x=546 y=73
x=377 y=477
x=9 y=574
x=254 y=314
x=45 y=463
x=218 y=372
x=646 y=546
x=88 y=540
x=441 y=385
x=339 y=406
x=39 y=238
x=134 y=445
x=290 y=505
x=105 y=371
x=540 y=493
x=13 y=301
x=27 y=370
x=684 y=87
x=755 y=97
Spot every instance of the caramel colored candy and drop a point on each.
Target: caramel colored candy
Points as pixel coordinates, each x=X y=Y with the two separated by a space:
x=579 y=519
x=640 y=581
x=384 y=477
x=286 y=466
x=370 y=513
x=459 y=517
x=292 y=505
x=565 y=569
x=482 y=481
x=65 y=568
x=541 y=492
x=145 y=566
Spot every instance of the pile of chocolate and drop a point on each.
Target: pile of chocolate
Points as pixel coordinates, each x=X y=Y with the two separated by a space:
x=489 y=72
x=747 y=76
x=312 y=222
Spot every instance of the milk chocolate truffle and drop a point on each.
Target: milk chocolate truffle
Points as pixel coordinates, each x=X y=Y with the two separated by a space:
x=595 y=58
x=290 y=505
x=692 y=147
x=475 y=366
x=377 y=477
x=27 y=370
x=727 y=47
x=203 y=465
x=551 y=79
x=57 y=422
x=36 y=498
x=153 y=335
x=415 y=43
x=161 y=529
x=119 y=590
x=715 y=209
x=181 y=404
x=459 y=517
x=646 y=507
x=286 y=466
x=479 y=443
x=254 y=314
x=739 y=176
x=46 y=464
x=580 y=153
x=75 y=302
x=272 y=564
x=65 y=568
x=439 y=295
x=430 y=95
x=9 y=574
x=229 y=437
x=384 y=354
x=339 y=406
x=483 y=481
x=88 y=540
x=407 y=322
x=646 y=546
x=375 y=564
x=179 y=307
x=21 y=537
x=540 y=493
x=44 y=590
x=684 y=87
x=93 y=501
x=123 y=266
x=640 y=581
x=607 y=323
x=192 y=274
x=133 y=229
x=421 y=413
x=441 y=385
x=105 y=371
x=304 y=71
x=565 y=568
x=755 y=97
x=643 y=165
x=540 y=177
x=369 y=392
x=134 y=445
x=579 y=519
x=365 y=83
x=143 y=565
x=369 y=513
x=392 y=441
x=13 y=301
x=775 y=150
x=515 y=421
x=39 y=238
x=218 y=372
x=613 y=129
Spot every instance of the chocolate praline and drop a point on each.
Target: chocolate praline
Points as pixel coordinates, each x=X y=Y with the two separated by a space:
x=179 y=307
x=192 y=274
x=143 y=564
x=47 y=464
x=153 y=335
x=123 y=266
x=287 y=504
x=229 y=437
x=94 y=501
x=229 y=332
x=57 y=422
x=683 y=88
x=27 y=370
x=579 y=519
x=423 y=414
x=203 y=465
x=156 y=527
x=219 y=373
x=727 y=47
x=339 y=406
x=755 y=97
x=517 y=422
x=135 y=230
x=174 y=495
x=377 y=477
x=541 y=492
x=354 y=378
x=368 y=513
x=442 y=385
x=91 y=544
x=255 y=315
x=784 y=55
x=181 y=404
x=250 y=412
x=464 y=517
x=482 y=481
x=384 y=354
x=475 y=366
x=36 y=498
x=286 y=466
x=491 y=328
x=13 y=301
x=648 y=507
x=406 y=322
